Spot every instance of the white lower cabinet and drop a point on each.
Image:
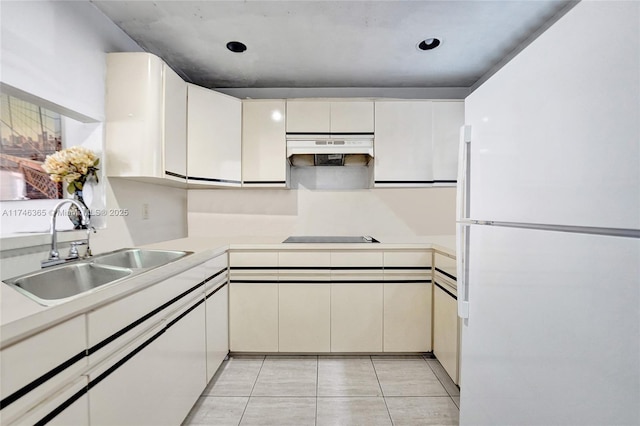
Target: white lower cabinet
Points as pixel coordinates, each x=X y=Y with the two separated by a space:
x=446 y=331
x=157 y=378
x=253 y=317
x=24 y=364
x=407 y=317
x=304 y=317
x=356 y=317
x=76 y=412
x=217 y=325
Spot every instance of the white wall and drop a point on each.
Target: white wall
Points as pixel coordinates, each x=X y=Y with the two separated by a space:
x=56 y=52
x=388 y=214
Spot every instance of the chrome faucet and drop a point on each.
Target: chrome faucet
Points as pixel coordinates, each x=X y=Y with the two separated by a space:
x=54 y=255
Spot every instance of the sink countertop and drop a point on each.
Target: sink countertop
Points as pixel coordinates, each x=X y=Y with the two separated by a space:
x=20 y=316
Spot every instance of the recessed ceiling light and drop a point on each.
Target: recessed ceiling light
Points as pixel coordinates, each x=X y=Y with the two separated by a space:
x=236 y=46
x=428 y=44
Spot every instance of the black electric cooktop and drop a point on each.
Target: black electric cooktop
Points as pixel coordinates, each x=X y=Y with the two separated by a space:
x=328 y=239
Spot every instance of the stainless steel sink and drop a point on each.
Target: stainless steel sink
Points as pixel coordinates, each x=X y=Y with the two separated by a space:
x=50 y=286
x=60 y=283
x=139 y=258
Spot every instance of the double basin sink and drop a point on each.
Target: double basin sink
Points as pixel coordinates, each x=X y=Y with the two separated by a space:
x=61 y=283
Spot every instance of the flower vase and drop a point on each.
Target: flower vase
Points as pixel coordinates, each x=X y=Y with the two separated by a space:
x=74 y=213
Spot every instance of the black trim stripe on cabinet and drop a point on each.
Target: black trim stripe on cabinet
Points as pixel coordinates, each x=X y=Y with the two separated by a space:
x=427 y=182
x=337 y=135
x=445 y=273
x=445 y=290
x=329 y=281
x=265 y=182
x=68 y=363
x=178 y=175
x=142 y=319
x=411 y=268
x=46 y=419
x=40 y=380
x=203 y=179
x=127 y=357
x=329 y=268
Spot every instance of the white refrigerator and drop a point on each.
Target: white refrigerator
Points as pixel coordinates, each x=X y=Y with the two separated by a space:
x=549 y=229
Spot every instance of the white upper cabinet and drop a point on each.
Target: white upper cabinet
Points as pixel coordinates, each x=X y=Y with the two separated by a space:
x=263 y=143
x=448 y=117
x=320 y=116
x=403 y=143
x=308 y=117
x=214 y=129
x=146 y=116
x=416 y=142
x=352 y=117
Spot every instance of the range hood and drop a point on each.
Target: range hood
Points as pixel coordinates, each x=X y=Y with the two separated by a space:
x=329 y=150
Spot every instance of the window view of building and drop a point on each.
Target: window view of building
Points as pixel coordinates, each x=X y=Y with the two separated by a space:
x=28 y=134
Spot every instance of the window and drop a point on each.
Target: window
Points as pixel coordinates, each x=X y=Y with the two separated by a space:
x=28 y=133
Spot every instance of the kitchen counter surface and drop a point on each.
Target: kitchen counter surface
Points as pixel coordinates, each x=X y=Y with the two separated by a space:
x=21 y=316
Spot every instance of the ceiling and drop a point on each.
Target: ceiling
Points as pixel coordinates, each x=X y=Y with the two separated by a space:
x=319 y=44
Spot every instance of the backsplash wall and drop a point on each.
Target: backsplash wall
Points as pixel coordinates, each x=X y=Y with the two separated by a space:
x=390 y=212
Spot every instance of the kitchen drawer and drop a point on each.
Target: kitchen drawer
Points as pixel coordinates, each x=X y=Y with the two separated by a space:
x=36 y=366
x=398 y=259
x=120 y=321
x=352 y=258
x=253 y=259
x=320 y=259
x=445 y=268
x=76 y=413
x=304 y=266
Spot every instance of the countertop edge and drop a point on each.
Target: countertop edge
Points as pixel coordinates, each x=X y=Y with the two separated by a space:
x=40 y=318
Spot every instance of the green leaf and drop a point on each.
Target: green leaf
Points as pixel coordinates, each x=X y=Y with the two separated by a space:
x=79 y=185
x=95 y=163
x=71 y=188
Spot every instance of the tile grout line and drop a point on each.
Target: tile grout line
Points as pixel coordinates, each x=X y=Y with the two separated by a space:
x=384 y=399
x=438 y=377
x=252 y=388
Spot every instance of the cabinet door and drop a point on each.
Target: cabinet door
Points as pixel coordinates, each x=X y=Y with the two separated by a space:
x=407 y=317
x=304 y=317
x=356 y=317
x=214 y=138
x=448 y=117
x=352 y=117
x=403 y=145
x=175 y=126
x=263 y=143
x=253 y=317
x=308 y=117
x=445 y=329
x=156 y=379
x=217 y=307
x=134 y=115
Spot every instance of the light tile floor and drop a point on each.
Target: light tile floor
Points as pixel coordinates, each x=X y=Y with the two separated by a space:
x=328 y=390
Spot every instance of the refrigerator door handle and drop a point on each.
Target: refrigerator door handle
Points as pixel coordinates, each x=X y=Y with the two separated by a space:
x=462 y=216
x=462 y=255
x=464 y=164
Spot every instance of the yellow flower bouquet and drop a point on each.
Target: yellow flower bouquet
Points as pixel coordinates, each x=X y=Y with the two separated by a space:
x=72 y=165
